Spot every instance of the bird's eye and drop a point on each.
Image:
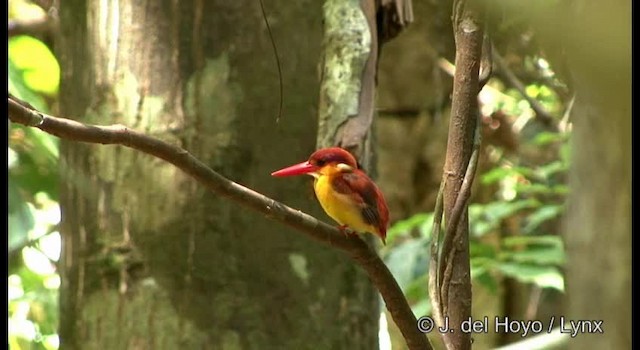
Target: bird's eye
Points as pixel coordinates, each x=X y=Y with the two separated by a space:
x=320 y=162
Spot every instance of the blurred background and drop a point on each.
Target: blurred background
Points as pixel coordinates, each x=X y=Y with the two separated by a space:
x=519 y=198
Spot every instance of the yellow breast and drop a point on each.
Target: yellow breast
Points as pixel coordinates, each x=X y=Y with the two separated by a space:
x=340 y=207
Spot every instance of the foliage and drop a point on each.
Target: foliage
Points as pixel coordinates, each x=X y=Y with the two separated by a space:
x=528 y=254
x=515 y=235
x=34 y=243
x=35 y=63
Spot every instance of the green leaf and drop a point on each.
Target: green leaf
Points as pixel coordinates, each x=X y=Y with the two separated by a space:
x=542 y=189
x=560 y=189
x=422 y=308
x=536 y=255
x=496 y=174
x=565 y=152
x=543 y=276
x=39 y=66
x=533 y=188
x=426 y=227
x=417 y=289
x=548 y=137
x=405 y=226
x=480 y=266
x=480 y=228
x=31 y=281
x=552 y=168
x=497 y=211
x=479 y=249
x=541 y=215
x=44 y=310
x=37 y=167
x=408 y=261
x=499 y=173
x=482 y=263
x=550 y=240
x=532 y=90
x=21 y=218
x=541 y=250
x=486 y=280
x=19 y=89
x=43 y=302
x=488 y=217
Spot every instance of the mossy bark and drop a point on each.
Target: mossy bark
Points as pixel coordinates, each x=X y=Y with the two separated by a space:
x=150 y=259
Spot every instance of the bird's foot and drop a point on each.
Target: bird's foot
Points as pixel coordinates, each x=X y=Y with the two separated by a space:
x=346 y=230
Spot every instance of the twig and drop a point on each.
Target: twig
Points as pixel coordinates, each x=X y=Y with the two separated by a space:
x=465 y=190
x=563 y=126
x=504 y=70
x=486 y=64
x=452 y=234
x=275 y=53
x=450 y=70
x=434 y=259
x=352 y=245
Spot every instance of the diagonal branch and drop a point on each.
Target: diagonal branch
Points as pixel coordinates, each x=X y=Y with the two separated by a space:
x=353 y=246
x=503 y=69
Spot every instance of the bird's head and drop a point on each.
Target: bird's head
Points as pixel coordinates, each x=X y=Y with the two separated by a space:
x=325 y=161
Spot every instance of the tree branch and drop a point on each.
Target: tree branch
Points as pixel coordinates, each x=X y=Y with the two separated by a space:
x=508 y=75
x=449 y=275
x=453 y=234
x=440 y=270
x=352 y=245
x=486 y=63
x=36 y=28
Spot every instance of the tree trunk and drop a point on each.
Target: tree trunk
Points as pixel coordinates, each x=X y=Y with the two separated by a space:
x=595 y=39
x=150 y=259
x=598 y=226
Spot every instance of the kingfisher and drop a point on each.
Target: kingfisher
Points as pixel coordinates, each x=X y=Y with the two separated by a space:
x=345 y=192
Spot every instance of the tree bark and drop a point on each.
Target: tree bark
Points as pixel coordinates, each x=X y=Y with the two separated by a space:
x=452 y=297
x=598 y=223
x=150 y=259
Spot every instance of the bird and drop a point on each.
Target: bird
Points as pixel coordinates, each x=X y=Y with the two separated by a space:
x=344 y=191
